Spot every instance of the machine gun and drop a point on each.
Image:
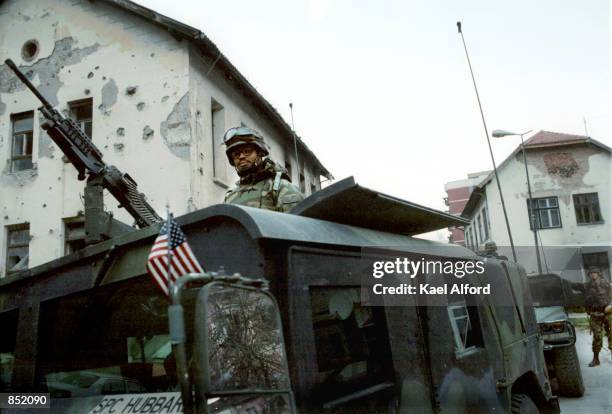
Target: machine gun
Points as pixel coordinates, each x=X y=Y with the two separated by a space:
x=87 y=158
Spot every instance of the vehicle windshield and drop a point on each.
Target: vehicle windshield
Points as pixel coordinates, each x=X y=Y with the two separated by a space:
x=109 y=340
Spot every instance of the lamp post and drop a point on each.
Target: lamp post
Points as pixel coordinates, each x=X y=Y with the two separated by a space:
x=499 y=133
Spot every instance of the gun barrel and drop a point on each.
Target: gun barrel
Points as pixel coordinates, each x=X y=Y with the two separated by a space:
x=27 y=82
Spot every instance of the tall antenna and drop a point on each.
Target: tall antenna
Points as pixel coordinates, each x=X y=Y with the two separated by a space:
x=297 y=161
x=501 y=196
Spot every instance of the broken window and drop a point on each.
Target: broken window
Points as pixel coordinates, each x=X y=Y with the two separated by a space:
x=302 y=183
x=313 y=188
x=545 y=212
x=587 y=208
x=219 y=160
x=81 y=113
x=465 y=325
x=21 y=148
x=74 y=234
x=17 y=250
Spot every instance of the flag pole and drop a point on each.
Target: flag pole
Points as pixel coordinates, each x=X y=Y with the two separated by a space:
x=169 y=259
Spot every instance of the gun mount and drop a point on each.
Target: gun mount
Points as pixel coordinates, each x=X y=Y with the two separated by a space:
x=87 y=159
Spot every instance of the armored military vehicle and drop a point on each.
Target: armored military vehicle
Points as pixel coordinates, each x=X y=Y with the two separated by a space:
x=301 y=329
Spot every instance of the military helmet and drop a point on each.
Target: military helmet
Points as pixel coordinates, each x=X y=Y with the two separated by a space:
x=594 y=269
x=237 y=136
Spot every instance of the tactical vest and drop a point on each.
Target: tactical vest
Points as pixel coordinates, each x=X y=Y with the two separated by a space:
x=262 y=194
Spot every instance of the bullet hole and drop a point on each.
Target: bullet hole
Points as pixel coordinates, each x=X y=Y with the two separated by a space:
x=69 y=71
x=165 y=84
x=147 y=133
x=165 y=98
x=90 y=75
x=50 y=231
x=50 y=188
x=201 y=156
x=59 y=178
x=201 y=170
x=6 y=217
x=152 y=55
x=121 y=131
x=133 y=55
x=140 y=106
x=118 y=146
x=103 y=77
x=29 y=50
x=131 y=90
x=44 y=205
x=87 y=91
x=106 y=147
x=97 y=67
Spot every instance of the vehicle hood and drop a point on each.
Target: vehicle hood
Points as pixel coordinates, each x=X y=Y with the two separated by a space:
x=550 y=314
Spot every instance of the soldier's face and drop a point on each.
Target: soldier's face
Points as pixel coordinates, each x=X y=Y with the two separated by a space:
x=594 y=275
x=245 y=157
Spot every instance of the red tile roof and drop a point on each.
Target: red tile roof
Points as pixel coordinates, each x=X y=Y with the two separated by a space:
x=552 y=138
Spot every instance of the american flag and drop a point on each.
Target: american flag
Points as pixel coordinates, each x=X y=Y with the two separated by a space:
x=182 y=259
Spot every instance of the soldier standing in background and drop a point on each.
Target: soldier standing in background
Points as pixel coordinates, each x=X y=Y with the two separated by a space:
x=263 y=183
x=597 y=296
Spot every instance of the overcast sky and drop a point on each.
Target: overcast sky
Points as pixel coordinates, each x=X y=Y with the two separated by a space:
x=382 y=91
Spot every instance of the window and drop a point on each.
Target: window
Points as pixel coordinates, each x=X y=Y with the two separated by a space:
x=302 y=183
x=485 y=223
x=81 y=113
x=288 y=168
x=468 y=241
x=587 y=208
x=465 y=325
x=313 y=188
x=480 y=231
x=17 y=248
x=219 y=160
x=21 y=148
x=545 y=211
x=350 y=340
x=74 y=234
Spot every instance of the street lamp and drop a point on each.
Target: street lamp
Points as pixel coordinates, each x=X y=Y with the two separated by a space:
x=499 y=133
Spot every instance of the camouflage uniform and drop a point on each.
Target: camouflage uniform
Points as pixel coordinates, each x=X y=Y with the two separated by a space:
x=268 y=188
x=597 y=296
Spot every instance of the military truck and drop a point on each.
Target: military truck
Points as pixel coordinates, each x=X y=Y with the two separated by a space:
x=286 y=322
x=551 y=295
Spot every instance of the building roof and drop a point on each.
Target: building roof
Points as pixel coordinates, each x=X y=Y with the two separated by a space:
x=549 y=139
x=542 y=139
x=222 y=63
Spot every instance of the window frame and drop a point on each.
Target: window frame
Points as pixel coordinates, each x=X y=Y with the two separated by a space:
x=73 y=106
x=537 y=212
x=9 y=245
x=594 y=209
x=29 y=139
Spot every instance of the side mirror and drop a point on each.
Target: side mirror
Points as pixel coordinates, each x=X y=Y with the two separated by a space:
x=240 y=348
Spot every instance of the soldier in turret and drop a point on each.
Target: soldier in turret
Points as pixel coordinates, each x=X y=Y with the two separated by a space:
x=263 y=183
x=597 y=297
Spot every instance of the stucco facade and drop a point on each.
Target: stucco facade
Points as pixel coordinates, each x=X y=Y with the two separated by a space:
x=155 y=87
x=563 y=174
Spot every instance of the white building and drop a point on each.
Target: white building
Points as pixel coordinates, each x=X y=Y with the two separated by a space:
x=570 y=181
x=155 y=97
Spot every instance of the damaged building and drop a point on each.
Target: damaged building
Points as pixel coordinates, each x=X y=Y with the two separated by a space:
x=570 y=183
x=154 y=95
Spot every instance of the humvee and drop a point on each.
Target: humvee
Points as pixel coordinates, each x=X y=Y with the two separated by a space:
x=551 y=295
x=286 y=322
x=97 y=310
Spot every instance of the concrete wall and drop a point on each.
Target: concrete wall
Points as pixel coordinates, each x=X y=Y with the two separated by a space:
x=561 y=172
x=151 y=115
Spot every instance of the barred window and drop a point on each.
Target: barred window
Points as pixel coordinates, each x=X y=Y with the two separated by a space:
x=21 y=148
x=545 y=212
x=587 y=208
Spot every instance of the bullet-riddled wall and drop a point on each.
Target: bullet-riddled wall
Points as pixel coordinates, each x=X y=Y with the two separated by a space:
x=151 y=95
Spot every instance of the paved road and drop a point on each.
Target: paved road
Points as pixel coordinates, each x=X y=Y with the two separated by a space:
x=597 y=398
